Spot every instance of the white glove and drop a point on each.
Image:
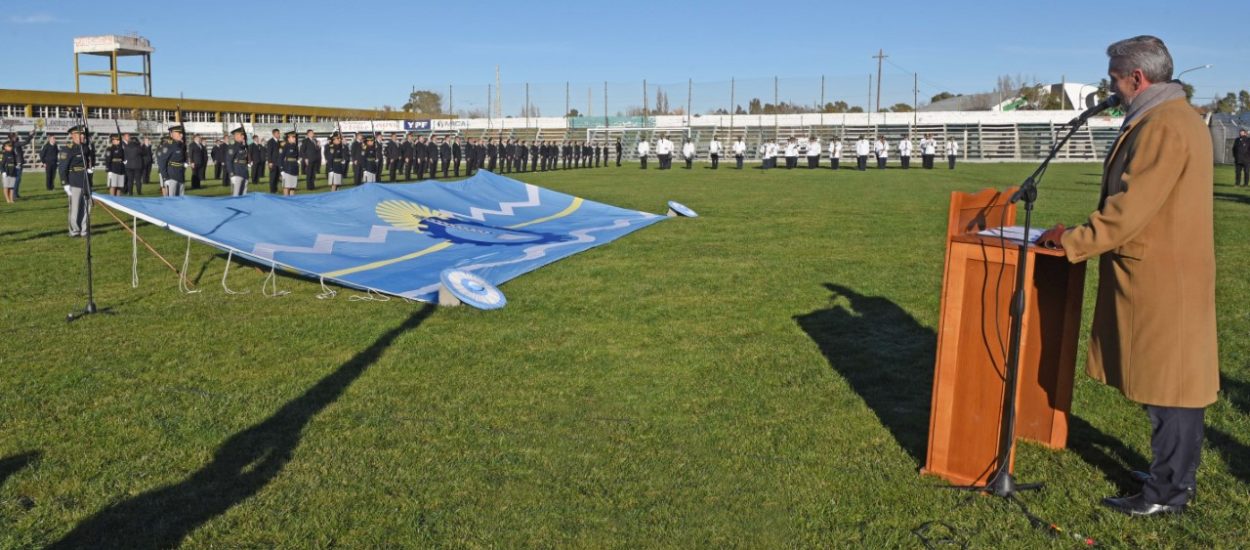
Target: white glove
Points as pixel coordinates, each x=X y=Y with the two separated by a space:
x=90 y=171
x=66 y=188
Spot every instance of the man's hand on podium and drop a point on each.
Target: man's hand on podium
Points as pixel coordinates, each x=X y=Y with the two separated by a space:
x=1052 y=238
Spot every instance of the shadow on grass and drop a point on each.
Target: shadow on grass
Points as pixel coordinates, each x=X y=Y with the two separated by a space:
x=1107 y=454
x=96 y=231
x=243 y=465
x=10 y=465
x=1236 y=455
x=1232 y=197
x=885 y=355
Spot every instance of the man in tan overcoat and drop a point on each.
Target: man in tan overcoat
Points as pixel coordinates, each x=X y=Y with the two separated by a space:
x=1153 y=334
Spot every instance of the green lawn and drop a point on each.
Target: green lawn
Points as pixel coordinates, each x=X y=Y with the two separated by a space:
x=756 y=377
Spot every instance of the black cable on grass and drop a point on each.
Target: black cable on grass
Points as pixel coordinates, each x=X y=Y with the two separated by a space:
x=938 y=534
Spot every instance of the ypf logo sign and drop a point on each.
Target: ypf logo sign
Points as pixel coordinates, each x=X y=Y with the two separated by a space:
x=416 y=125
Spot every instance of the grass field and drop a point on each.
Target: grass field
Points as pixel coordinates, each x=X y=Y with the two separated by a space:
x=757 y=377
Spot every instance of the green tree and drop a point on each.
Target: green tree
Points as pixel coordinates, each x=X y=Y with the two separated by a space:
x=855 y=109
x=1227 y=105
x=573 y=113
x=1243 y=100
x=424 y=102
x=941 y=96
x=901 y=108
x=755 y=107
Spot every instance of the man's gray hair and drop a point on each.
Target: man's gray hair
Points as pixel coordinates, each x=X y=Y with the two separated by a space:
x=1144 y=52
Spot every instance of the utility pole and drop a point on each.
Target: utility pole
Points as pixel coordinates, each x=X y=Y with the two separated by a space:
x=915 y=101
x=880 y=57
x=566 y=99
x=498 y=94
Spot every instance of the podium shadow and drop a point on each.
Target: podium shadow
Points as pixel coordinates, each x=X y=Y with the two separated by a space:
x=243 y=465
x=885 y=355
x=1107 y=454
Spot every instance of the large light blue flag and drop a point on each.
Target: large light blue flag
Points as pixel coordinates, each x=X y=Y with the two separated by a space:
x=397 y=238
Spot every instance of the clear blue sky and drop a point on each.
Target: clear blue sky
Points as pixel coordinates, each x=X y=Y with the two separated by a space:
x=368 y=54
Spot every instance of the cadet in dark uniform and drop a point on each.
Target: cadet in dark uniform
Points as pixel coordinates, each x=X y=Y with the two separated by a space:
x=19 y=152
x=273 y=149
x=8 y=171
x=171 y=163
x=75 y=164
x=310 y=159
x=198 y=157
x=618 y=152
x=115 y=164
x=533 y=152
x=289 y=160
x=256 y=153
x=492 y=151
x=357 y=147
x=405 y=156
x=1241 y=159
x=444 y=153
x=456 y=153
x=238 y=162
x=336 y=161
x=134 y=165
x=219 y=160
x=371 y=157
x=146 y=155
x=391 y=153
x=48 y=156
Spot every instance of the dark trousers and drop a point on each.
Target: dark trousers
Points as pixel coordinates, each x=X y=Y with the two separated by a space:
x=1176 y=443
x=861 y=162
x=738 y=161
x=533 y=163
x=446 y=166
x=407 y=169
x=881 y=162
x=792 y=163
x=618 y=158
x=455 y=168
x=147 y=173
x=643 y=160
x=715 y=160
x=926 y=161
x=833 y=162
x=217 y=170
x=813 y=161
x=310 y=175
x=258 y=171
x=273 y=178
x=906 y=162
x=396 y=166
x=689 y=162
x=49 y=175
x=358 y=172
x=197 y=175
x=134 y=181
x=1242 y=170
x=950 y=160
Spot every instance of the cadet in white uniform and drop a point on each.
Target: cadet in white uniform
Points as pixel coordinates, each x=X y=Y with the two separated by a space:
x=740 y=151
x=952 y=151
x=813 y=152
x=687 y=152
x=664 y=150
x=713 y=150
x=644 y=149
x=792 y=154
x=928 y=148
x=862 y=149
x=904 y=152
x=835 y=153
x=883 y=153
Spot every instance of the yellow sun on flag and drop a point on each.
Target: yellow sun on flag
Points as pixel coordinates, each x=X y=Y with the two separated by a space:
x=406 y=215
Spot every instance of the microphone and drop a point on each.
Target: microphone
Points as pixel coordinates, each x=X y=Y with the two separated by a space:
x=1112 y=100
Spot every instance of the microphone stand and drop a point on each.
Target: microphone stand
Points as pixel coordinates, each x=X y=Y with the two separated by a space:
x=1003 y=483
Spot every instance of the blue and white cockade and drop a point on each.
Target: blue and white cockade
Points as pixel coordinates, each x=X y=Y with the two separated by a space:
x=397 y=238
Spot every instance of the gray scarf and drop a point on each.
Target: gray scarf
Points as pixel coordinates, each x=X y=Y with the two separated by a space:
x=1152 y=97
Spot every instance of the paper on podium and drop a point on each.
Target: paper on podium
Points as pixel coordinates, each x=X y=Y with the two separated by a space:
x=1013 y=233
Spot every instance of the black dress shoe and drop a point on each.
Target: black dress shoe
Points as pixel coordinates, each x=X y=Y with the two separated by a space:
x=1142 y=477
x=1136 y=505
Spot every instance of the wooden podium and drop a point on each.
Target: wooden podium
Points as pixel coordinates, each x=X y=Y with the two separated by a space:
x=974 y=334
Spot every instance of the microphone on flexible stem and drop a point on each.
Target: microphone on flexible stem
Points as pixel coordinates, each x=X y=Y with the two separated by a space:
x=1112 y=100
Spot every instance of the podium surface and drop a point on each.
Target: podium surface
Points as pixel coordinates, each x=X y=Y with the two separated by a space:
x=969 y=380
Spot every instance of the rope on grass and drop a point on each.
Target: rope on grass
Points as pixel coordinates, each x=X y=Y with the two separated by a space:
x=369 y=296
x=134 y=254
x=272 y=281
x=326 y=292
x=183 y=285
x=229 y=256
